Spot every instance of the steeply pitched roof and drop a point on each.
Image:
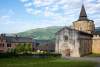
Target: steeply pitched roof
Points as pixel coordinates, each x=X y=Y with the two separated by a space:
x=83 y=15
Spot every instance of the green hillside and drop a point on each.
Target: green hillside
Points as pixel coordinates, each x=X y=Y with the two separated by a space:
x=45 y=33
x=41 y=33
x=97 y=30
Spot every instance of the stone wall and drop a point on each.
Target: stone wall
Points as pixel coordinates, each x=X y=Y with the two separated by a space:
x=86 y=26
x=69 y=47
x=96 y=44
x=85 y=46
x=3 y=45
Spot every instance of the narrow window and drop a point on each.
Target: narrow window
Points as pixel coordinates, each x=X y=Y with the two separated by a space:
x=65 y=38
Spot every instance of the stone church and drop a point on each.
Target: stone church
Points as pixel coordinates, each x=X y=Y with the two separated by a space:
x=78 y=40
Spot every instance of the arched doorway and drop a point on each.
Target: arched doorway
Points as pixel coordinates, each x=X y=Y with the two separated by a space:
x=67 y=52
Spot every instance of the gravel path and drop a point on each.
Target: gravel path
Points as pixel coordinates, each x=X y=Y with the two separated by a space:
x=98 y=65
x=94 y=59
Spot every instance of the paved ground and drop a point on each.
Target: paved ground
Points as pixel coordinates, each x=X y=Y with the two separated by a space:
x=98 y=65
x=94 y=59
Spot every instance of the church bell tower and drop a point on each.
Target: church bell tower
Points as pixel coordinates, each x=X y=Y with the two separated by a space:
x=83 y=23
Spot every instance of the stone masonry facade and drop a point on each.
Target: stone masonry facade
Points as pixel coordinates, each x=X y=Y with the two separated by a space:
x=85 y=40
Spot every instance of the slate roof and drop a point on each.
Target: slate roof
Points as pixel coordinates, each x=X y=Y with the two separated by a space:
x=83 y=15
x=81 y=32
x=16 y=39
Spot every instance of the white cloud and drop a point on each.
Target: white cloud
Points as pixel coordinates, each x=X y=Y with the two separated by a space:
x=36 y=13
x=24 y=1
x=55 y=8
x=48 y=13
x=6 y=17
x=29 y=4
x=98 y=1
x=37 y=2
x=52 y=6
x=55 y=5
x=64 y=9
x=29 y=10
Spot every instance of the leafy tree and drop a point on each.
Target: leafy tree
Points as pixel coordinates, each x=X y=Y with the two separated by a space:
x=23 y=48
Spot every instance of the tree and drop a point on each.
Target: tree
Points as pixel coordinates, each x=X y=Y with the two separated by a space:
x=23 y=48
x=28 y=47
x=19 y=48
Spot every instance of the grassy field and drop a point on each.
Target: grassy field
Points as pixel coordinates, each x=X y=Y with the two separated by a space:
x=43 y=62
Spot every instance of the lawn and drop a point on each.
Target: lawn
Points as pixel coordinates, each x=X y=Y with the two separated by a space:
x=43 y=62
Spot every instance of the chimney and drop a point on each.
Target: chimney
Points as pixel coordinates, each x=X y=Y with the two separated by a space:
x=3 y=35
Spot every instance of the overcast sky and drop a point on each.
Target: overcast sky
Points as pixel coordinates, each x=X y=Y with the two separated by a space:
x=20 y=15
